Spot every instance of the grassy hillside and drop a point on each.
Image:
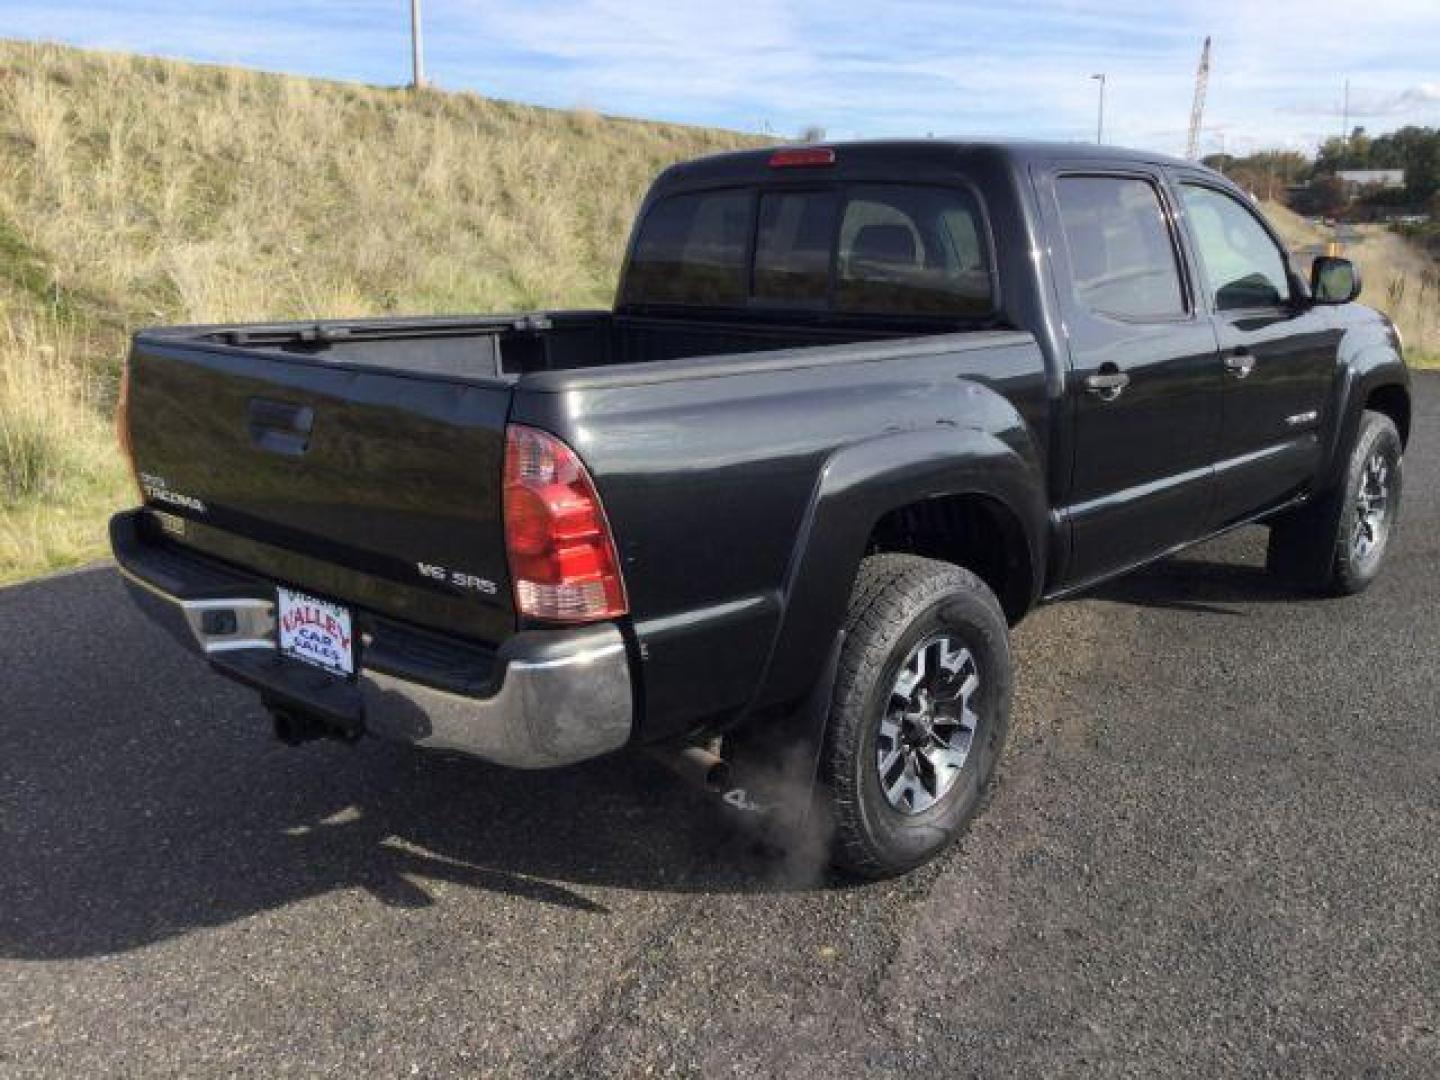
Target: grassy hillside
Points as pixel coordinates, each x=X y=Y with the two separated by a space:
x=1400 y=278
x=137 y=191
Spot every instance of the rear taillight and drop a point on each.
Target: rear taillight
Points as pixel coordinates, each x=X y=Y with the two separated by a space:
x=122 y=425
x=562 y=556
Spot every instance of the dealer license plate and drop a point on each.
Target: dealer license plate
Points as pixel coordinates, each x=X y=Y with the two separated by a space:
x=315 y=632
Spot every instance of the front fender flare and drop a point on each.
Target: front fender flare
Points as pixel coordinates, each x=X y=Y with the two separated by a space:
x=1366 y=369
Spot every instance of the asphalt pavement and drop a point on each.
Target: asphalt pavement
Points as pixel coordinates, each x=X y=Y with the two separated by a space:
x=1213 y=849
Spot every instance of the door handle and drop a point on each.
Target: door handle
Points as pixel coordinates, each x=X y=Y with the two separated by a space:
x=280 y=427
x=1108 y=383
x=1240 y=363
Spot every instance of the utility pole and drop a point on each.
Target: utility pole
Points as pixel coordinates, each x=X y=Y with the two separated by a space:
x=417 y=46
x=1197 y=108
x=1345 y=121
x=1100 y=122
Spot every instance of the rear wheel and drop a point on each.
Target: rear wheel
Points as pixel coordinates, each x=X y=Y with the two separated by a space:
x=919 y=713
x=1337 y=544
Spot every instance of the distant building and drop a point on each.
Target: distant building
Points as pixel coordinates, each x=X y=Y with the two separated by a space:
x=1358 y=180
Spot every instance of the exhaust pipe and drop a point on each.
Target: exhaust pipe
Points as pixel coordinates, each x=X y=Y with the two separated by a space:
x=293 y=729
x=698 y=766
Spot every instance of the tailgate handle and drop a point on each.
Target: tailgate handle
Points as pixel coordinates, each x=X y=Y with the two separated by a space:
x=280 y=427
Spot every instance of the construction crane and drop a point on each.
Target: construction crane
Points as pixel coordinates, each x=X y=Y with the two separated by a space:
x=1197 y=110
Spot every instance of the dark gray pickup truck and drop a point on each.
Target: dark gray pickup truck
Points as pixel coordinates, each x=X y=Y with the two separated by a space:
x=855 y=411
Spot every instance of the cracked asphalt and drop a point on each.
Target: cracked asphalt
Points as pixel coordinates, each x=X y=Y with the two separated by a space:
x=1213 y=849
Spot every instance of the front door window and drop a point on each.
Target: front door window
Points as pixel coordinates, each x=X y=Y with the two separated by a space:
x=1243 y=265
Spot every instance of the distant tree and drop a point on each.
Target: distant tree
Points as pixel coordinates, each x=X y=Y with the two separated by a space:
x=812 y=134
x=1274 y=173
x=1252 y=179
x=1330 y=158
x=1416 y=150
x=1324 y=196
x=1287 y=166
x=1268 y=173
x=1357 y=150
x=1422 y=170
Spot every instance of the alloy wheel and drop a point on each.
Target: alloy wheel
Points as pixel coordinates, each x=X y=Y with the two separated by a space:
x=1372 y=507
x=929 y=723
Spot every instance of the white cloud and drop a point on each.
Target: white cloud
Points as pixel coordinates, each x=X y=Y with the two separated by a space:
x=903 y=67
x=961 y=68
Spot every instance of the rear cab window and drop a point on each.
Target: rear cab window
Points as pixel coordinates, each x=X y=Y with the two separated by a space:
x=858 y=249
x=692 y=250
x=793 y=243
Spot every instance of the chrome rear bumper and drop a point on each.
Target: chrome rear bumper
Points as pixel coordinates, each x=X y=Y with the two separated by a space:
x=558 y=699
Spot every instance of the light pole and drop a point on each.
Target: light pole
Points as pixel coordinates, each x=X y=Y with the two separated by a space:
x=1100 y=122
x=417 y=46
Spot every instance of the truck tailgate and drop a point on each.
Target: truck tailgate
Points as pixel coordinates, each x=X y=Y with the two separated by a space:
x=378 y=488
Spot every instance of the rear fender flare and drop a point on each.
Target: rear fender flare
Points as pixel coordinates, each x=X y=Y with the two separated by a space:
x=858 y=485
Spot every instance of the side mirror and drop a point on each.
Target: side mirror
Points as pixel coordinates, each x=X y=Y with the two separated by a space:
x=1334 y=280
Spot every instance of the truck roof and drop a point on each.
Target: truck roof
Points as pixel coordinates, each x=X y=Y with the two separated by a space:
x=868 y=159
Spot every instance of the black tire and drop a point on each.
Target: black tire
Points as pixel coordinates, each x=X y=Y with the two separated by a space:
x=1315 y=546
x=900 y=602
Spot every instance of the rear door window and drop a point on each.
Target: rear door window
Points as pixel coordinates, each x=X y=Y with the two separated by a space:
x=1123 y=261
x=692 y=250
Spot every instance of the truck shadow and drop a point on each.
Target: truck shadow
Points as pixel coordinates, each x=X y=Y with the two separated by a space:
x=204 y=841
x=1217 y=578
x=142 y=797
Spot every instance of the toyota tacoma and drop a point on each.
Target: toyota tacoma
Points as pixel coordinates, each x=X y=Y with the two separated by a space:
x=856 y=410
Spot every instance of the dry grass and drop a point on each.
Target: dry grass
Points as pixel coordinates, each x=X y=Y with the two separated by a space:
x=200 y=193
x=1400 y=279
x=1413 y=301
x=137 y=191
x=59 y=472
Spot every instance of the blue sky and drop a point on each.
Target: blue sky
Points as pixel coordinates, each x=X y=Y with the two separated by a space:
x=951 y=68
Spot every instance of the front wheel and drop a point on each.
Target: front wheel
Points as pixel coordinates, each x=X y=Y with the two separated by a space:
x=1338 y=544
x=919 y=714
